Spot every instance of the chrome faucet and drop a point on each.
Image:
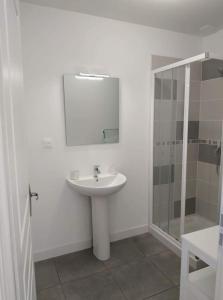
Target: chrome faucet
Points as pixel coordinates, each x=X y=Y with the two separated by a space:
x=96 y=171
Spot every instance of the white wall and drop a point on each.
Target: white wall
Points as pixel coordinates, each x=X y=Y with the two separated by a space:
x=214 y=43
x=57 y=42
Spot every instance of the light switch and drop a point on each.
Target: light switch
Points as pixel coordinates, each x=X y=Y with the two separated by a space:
x=47 y=143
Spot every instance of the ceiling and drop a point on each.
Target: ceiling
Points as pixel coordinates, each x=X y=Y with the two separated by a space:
x=197 y=17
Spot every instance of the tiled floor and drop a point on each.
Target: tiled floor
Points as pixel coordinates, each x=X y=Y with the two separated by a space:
x=140 y=268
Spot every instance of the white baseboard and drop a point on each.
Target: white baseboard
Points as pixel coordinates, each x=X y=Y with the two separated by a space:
x=129 y=233
x=74 y=247
x=172 y=244
x=61 y=250
x=166 y=239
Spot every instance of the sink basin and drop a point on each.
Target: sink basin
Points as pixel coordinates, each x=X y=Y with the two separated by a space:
x=98 y=191
x=106 y=185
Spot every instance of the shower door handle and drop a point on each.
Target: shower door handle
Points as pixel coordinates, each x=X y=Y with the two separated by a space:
x=32 y=195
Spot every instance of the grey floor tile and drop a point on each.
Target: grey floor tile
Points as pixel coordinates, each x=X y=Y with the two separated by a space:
x=46 y=274
x=99 y=286
x=123 y=252
x=54 y=293
x=77 y=265
x=169 y=263
x=149 y=245
x=172 y=294
x=140 y=279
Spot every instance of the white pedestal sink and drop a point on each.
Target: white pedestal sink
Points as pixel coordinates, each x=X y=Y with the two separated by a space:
x=98 y=190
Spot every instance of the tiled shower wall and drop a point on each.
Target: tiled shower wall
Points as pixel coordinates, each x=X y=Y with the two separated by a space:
x=204 y=133
x=210 y=131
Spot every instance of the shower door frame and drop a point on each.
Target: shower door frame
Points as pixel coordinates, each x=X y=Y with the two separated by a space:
x=157 y=231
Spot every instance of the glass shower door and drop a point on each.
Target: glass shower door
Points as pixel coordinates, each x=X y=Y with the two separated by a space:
x=168 y=148
x=203 y=186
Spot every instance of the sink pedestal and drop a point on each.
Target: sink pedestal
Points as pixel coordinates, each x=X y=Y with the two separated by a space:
x=100 y=224
x=99 y=191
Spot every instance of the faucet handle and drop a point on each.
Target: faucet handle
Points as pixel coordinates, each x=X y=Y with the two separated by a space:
x=97 y=168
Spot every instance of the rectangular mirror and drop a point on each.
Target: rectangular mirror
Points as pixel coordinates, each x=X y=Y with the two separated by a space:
x=91 y=109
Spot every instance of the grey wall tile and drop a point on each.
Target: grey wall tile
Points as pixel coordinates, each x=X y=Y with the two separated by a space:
x=179 y=130
x=195 y=89
x=207 y=192
x=180 y=90
x=193 y=130
x=166 y=155
x=214 y=194
x=156 y=199
x=214 y=175
x=174 y=89
x=210 y=69
x=192 y=152
x=167 y=130
x=202 y=192
x=178 y=172
x=207 y=153
x=156 y=175
x=209 y=211
x=204 y=127
x=194 y=111
x=215 y=130
x=156 y=155
x=162 y=195
x=165 y=110
x=179 y=110
x=156 y=133
x=210 y=130
x=192 y=170
x=196 y=71
x=191 y=188
x=211 y=109
x=177 y=209
x=166 y=89
x=157 y=88
x=178 y=153
x=177 y=191
x=221 y=222
x=204 y=171
x=167 y=174
x=190 y=207
x=212 y=89
x=163 y=174
x=221 y=240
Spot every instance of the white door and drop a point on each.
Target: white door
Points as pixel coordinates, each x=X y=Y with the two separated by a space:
x=13 y=160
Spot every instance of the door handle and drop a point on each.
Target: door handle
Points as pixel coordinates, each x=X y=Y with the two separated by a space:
x=32 y=195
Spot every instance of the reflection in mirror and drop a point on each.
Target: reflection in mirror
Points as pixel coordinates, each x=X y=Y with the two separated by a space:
x=91 y=109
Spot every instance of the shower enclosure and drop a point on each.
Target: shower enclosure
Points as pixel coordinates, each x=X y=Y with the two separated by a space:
x=187 y=131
